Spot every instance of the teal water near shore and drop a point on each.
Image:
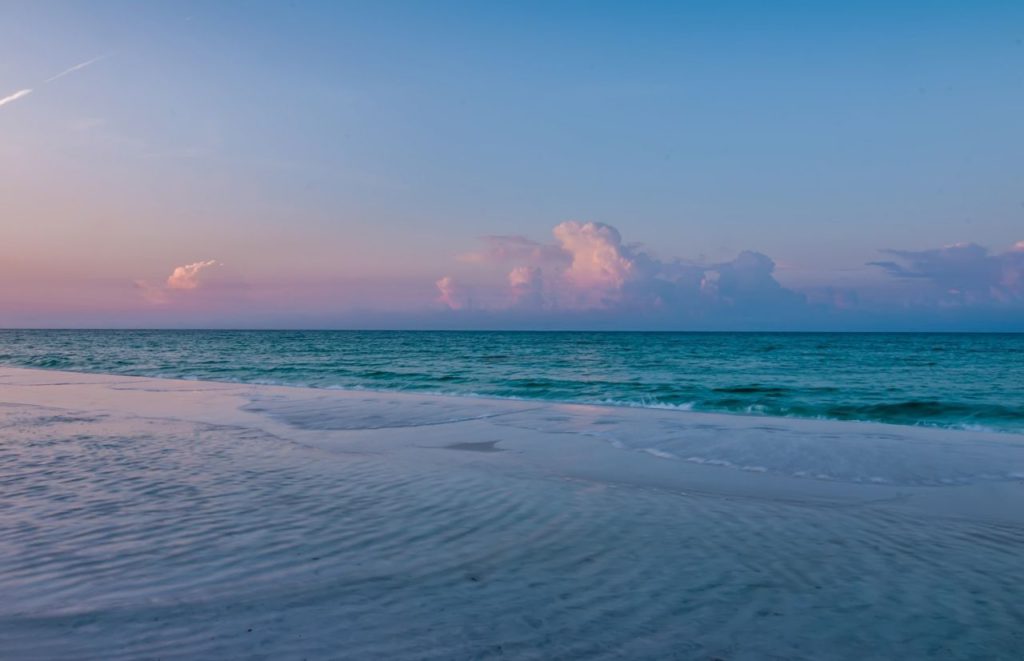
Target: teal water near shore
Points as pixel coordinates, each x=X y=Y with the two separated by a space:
x=970 y=381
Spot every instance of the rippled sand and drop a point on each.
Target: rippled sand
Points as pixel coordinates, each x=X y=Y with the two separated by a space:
x=142 y=518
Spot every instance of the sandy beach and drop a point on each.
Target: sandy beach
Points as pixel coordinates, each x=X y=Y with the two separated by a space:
x=145 y=518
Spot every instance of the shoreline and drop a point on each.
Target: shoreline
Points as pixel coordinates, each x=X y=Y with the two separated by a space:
x=724 y=452
x=614 y=404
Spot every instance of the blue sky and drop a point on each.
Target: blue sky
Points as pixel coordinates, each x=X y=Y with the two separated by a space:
x=336 y=160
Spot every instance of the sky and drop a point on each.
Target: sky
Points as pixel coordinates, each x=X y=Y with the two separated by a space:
x=650 y=165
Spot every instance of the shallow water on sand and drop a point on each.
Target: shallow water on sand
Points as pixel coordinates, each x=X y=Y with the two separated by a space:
x=133 y=537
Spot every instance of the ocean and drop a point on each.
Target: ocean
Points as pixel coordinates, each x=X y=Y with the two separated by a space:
x=965 y=381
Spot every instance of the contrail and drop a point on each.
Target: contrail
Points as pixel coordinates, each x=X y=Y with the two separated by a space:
x=25 y=92
x=75 y=68
x=14 y=97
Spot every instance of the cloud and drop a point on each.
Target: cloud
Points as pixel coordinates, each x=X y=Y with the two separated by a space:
x=590 y=269
x=599 y=265
x=527 y=286
x=188 y=276
x=14 y=97
x=151 y=293
x=450 y=294
x=25 y=92
x=78 y=66
x=963 y=273
x=503 y=249
x=748 y=281
x=183 y=279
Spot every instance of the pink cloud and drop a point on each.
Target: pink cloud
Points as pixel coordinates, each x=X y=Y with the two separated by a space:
x=185 y=278
x=450 y=294
x=590 y=268
x=188 y=276
x=598 y=262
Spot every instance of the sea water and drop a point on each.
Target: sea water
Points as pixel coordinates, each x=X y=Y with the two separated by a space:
x=968 y=381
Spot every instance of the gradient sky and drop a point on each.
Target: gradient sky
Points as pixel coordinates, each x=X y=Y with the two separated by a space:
x=549 y=164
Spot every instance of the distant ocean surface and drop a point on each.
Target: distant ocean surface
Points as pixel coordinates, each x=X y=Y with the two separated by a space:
x=970 y=381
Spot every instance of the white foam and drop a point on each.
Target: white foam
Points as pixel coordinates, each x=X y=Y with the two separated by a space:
x=661 y=454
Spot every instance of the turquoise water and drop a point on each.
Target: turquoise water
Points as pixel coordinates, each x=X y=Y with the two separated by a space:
x=950 y=380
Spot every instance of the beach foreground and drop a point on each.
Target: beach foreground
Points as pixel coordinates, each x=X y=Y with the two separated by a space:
x=145 y=518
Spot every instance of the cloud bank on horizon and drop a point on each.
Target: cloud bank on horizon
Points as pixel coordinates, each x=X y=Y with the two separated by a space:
x=964 y=274
x=589 y=267
x=589 y=271
x=585 y=277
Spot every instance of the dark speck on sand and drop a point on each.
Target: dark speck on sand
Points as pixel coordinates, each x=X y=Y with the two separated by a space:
x=481 y=446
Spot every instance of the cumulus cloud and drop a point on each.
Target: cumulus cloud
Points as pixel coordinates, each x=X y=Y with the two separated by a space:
x=183 y=279
x=188 y=276
x=748 y=280
x=15 y=96
x=599 y=265
x=963 y=273
x=589 y=268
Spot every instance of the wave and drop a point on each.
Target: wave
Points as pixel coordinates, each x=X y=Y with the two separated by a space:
x=767 y=391
x=49 y=362
x=926 y=413
x=898 y=379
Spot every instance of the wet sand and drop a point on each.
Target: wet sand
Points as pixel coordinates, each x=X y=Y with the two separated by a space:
x=144 y=518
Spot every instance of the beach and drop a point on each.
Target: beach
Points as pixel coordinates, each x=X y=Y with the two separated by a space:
x=542 y=331
x=161 y=518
